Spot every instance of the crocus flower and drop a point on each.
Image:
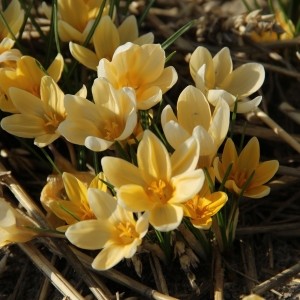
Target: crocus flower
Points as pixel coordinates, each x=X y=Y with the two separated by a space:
x=201 y=208
x=106 y=38
x=66 y=196
x=244 y=166
x=14 y=227
x=194 y=118
x=215 y=77
x=14 y=17
x=38 y=118
x=27 y=76
x=75 y=18
x=97 y=125
x=141 y=68
x=8 y=56
x=115 y=230
x=160 y=183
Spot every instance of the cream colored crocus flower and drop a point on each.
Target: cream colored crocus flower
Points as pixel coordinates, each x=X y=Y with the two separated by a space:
x=106 y=38
x=115 y=231
x=66 y=196
x=38 y=118
x=97 y=125
x=215 y=77
x=201 y=208
x=14 y=17
x=27 y=76
x=195 y=118
x=141 y=68
x=75 y=18
x=247 y=174
x=160 y=183
x=14 y=227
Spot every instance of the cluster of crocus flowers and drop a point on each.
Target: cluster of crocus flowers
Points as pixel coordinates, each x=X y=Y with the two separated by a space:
x=215 y=77
x=107 y=38
x=150 y=178
x=14 y=227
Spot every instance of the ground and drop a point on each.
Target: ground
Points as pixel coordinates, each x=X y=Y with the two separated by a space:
x=265 y=256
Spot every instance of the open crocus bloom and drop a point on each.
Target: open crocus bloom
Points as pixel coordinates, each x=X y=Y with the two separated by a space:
x=212 y=74
x=245 y=166
x=106 y=38
x=194 y=118
x=14 y=17
x=14 y=226
x=160 y=183
x=141 y=68
x=27 y=76
x=115 y=230
x=201 y=208
x=97 y=125
x=74 y=206
x=75 y=18
x=38 y=118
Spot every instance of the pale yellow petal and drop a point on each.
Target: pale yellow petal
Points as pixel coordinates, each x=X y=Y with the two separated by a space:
x=185 y=157
x=214 y=97
x=168 y=77
x=112 y=255
x=68 y=33
x=229 y=153
x=187 y=185
x=84 y=55
x=166 y=217
x=175 y=134
x=167 y=115
x=23 y=125
x=222 y=64
x=153 y=158
x=264 y=172
x=89 y=234
x=200 y=58
x=56 y=67
x=147 y=38
x=245 y=80
x=75 y=189
x=76 y=132
x=33 y=104
x=148 y=97
x=247 y=106
x=257 y=192
x=102 y=204
x=120 y=172
x=128 y=30
x=46 y=139
x=106 y=38
x=97 y=144
x=249 y=156
x=193 y=109
x=134 y=198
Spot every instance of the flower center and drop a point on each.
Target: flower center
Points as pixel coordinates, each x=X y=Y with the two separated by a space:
x=160 y=191
x=240 y=177
x=52 y=120
x=126 y=232
x=112 y=130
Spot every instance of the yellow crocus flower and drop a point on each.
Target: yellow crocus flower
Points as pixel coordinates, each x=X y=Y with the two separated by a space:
x=160 y=184
x=107 y=38
x=115 y=230
x=245 y=166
